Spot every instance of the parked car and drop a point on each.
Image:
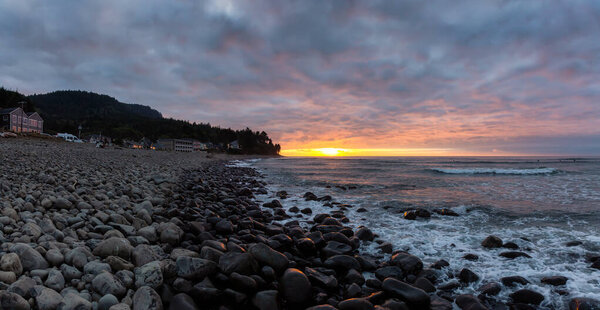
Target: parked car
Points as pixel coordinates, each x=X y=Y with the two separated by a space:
x=69 y=137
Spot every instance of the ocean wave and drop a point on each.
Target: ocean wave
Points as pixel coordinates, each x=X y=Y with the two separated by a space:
x=514 y=171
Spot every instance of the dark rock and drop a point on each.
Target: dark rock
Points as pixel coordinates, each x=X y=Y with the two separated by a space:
x=491 y=242
x=527 y=296
x=266 y=300
x=145 y=298
x=471 y=257
x=224 y=227
x=355 y=304
x=194 y=268
x=295 y=286
x=446 y=212
x=14 y=301
x=414 y=297
x=336 y=248
x=440 y=264
x=555 y=280
x=393 y=304
x=342 y=262
x=183 y=301
x=310 y=196
x=512 y=280
x=242 y=283
x=573 y=243
x=353 y=290
x=423 y=213
x=267 y=256
x=354 y=276
x=386 y=248
x=306 y=211
x=306 y=246
x=364 y=234
x=410 y=215
x=449 y=286
x=425 y=285
x=409 y=263
x=510 y=245
x=373 y=283
x=320 y=279
x=467 y=276
x=242 y=263
x=438 y=303
x=322 y=307
x=514 y=254
x=469 y=302
x=389 y=272
x=490 y=289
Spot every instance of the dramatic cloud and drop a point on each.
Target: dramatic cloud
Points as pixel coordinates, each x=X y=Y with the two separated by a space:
x=471 y=76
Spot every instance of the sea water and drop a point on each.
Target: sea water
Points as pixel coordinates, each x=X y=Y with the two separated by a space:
x=538 y=203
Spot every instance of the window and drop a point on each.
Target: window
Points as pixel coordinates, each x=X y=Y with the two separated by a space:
x=5 y=118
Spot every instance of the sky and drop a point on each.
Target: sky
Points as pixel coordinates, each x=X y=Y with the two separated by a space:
x=386 y=77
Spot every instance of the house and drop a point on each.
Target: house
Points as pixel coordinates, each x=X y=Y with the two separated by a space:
x=199 y=146
x=99 y=138
x=17 y=120
x=234 y=145
x=177 y=145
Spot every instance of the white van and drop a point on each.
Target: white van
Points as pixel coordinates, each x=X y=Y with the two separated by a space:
x=69 y=137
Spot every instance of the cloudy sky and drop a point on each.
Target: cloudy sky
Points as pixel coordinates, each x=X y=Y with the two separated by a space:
x=480 y=77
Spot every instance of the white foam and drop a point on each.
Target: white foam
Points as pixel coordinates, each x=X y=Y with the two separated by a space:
x=242 y=163
x=528 y=171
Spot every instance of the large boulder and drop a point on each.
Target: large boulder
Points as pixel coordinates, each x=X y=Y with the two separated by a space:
x=30 y=258
x=469 y=302
x=409 y=263
x=114 y=246
x=295 y=286
x=46 y=298
x=242 y=263
x=527 y=296
x=14 y=301
x=414 y=297
x=491 y=242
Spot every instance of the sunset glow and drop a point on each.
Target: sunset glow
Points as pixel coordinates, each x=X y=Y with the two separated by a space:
x=332 y=152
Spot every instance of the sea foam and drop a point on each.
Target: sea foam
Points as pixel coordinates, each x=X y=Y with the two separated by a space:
x=515 y=171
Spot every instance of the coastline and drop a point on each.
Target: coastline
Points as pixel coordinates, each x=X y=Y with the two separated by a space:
x=127 y=229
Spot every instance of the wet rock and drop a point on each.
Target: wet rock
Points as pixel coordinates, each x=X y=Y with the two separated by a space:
x=308 y=196
x=266 y=300
x=490 y=289
x=413 y=296
x=114 y=246
x=30 y=258
x=295 y=286
x=512 y=280
x=267 y=256
x=194 y=268
x=555 y=280
x=183 y=301
x=467 y=276
x=469 y=302
x=320 y=279
x=444 y=211
x=514 y=254
x=425 y=285
x=527 y=296
x=355 y=304
x=440 y=264
x=410 y=215
x=389 y=272
x=145 y=298
x=342 y=262
x=336 y=248
x=14 y=301
x=242 y=263
x=510 y=245
x=224 y=227
x=409 y=263
x=491 y=241
x=438 y=303
x=364 y=234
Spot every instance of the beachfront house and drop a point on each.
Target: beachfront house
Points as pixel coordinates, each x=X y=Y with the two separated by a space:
x=17 y=120
x=234 y=145
x=199 y=146
x=177 y=145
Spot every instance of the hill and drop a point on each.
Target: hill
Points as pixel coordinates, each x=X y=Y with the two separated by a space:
x=65 y=111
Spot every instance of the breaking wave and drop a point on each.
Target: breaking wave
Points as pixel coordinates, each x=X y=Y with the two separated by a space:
x=526 y=171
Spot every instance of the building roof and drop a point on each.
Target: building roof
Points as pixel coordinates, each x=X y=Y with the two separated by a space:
x=7 y=110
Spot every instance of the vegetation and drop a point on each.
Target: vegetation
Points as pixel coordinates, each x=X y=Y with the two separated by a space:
x=65 y=111
x=13 y=99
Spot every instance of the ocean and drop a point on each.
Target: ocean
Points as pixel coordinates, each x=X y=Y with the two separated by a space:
x=539 y=203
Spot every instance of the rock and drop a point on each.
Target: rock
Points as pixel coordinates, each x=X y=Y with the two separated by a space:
x=527 y=296
x=61 y=203
x=389 y=272
x=11 y=262
x=14 y=301
x=490 y=289
x=22 y=286
x=242 y=283
x=425 y=285
x=8 y=277
x=54 y=257
x=342 y=263
x=336 y=248
x=149 y=274
x=266 y=300
x=72 y=301
x=446 y=212
x=224 y=227
x=143 y=254
x=295 y=286
x=467 y=276
x=55 y=280
x=242 y=263
x=471 y=257
x=409 y=263
x=555 y=280
x=194 y=268
x=414 y=297
x=107 y=301
x=438 y=303
x=183 y=301
x=440 y=264
x=512 y=280
x=117 y=263
x=267 y=256
x=514 y=254
x=355 y=304
x=491 y=242
x=364 y=234
x=581 y=303
x=46 y=298
x=96 y=267
x=320 y=279
x=469 y=302
x=145 y=298
x=310 y=196
x=120 y=306
x=114 y=246
x=106 y=283
x=30 y=258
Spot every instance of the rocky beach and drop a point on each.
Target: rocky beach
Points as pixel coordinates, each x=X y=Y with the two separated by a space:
x=87 y=228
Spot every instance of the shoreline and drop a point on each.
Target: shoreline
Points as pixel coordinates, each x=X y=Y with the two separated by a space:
x=117 y=229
